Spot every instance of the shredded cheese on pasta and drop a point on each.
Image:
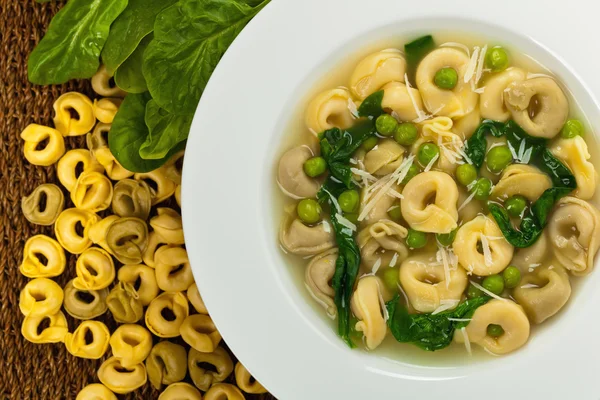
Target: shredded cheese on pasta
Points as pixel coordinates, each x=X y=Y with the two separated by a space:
x=467 y=201
x=465 y=335
x=345 y=222
x=445 y=305
x=484 y=290
x=487 y=253
x=433 y=160
x=393 y=260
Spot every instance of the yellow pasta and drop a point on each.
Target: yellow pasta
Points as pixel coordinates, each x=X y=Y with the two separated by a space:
x=127 y=238
x=173 y=270
x=492 y=99
x=148 y=288
x=166 y=364
x=131 y=344
x=98 y=138
x=119 y=379
x=174 y=167
x=69 y=165
x=366 y=306
x=398 y=98
x=291 y=177
x=131 y=198
x=297 y=238
x=106 y=109
x=376 y=70
x=114 y=170
x=200 y=332
x=93 y=191
x=154 y=243
x=178 y=195
x=97 y=232
x=204 y=377
x=174 y=303
x=101 y=83
x=223 y=391
x=72 y=229
x=383 y=241
x=574 y=153
x=245 y=381
x=43 y=145
x=330 y=109
x=168 y=226
x=44 y=204
x=42 y=258
x=161 y=187
x=521 y=179
x=64 y=120
x=40 y=297
x=385 y=158
x=124 y=303
x=180 y=391
x=95 y=391
x=317 y=278
x=54 y=332
x=95 y=270
x=84 y=304
x=382 y=203
x=90 y=340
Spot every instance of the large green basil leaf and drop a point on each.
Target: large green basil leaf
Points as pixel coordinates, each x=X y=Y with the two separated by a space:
x=72 y=45
x=128 y=30
x=190 y=38
x=166 y=131
x=129 y=75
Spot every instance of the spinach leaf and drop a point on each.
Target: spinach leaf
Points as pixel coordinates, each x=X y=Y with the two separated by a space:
x=71 y=47
x=415 y=51
x=129 y=29
x=427 y=331
x=476 y=146
x=129 y=131
x=129 y=75
x=190 y=38
x=337 y=147
x=166 y=131
x=371 y=106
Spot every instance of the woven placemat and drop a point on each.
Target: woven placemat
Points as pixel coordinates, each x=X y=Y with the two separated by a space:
x=30 y=371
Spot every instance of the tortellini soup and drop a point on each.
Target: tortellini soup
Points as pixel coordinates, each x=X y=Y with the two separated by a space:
x=440 y=193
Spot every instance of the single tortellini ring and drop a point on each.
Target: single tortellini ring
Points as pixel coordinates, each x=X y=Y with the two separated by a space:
x=119 y=379
x=429 y=203
x=383 y=241
x=376 y=70
x=195 y=298
x=292 y=179
x=97 y=232
x=466 y=126
x=384 y=158
x=104 y=85
x=429 y=286
x=574 y=153
x=131 y=344
x=93 y=191
x=105 y=109
x=43 y=257
x=161 y=187
x=455 y=103
x=95 y=391
x=172 y=304
x=166 y=364
x=174 y=167
x=39 y=297
x=180 y=391
x=298 y=238
x=72 y=229
x=154 y=243
x=84 y=304
x=204 y=377
x=90 y=340
x=223 y=391
x=200 y=332
x=508 y=315
x=178 y=195
x=173 y=270
x=245 y=381
x=68 y=124
x=534 y=255
x=574 y=229
x=317 y=278
x=398 y=98
x=330 y=109
x=492 y=99
x=482 y=231
x=73 y=164
x=113 y=168
x=132 y=198
x=542 y=98
x=521 y=179
x=44 y=204
x=128 y=238
x=54 y=332
x=43 y=145
x=95 y=270
x=148 y=288
x=124 y=303
x=98 y=138
x=366 y=304
x=167 y=224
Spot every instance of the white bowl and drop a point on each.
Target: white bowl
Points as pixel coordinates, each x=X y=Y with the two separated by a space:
x=258 y=303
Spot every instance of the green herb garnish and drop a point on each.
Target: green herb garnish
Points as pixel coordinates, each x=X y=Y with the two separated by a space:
x=371 y=106
x=416 y=50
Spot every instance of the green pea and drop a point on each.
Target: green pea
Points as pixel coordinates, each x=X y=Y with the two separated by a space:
x=465 y=174
x=391 y=277
x=515 y=205
x=352 y=217
x=315 y=166
x=498 y=158
x=395 y=212
x=406 y=134
x=446 y=239
x=494 y=283
x=416 y=239
x=369 y=143
x=427 y=152
x=413 y=171
x=512 y=277
x=309 y=211
x=495 y=330
x=386 y=125
x=496 y=59
x=482 y=189
x=572 y=128
x=473 y=292
x=348 y=201
x=446 y=78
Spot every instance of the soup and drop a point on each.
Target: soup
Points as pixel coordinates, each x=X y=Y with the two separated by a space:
x=443 y=197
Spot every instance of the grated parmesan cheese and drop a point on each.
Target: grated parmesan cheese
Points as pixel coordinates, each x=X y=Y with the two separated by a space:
x=384 y=310
x=445 y=305
x=333 y=200
x=465 y=335
x=353 y=161
x=433 y=160
x=472 y=65
x=480 y=63
x=487 y=253
x=442 y=256
x=352 y=108
x=311 y=130
x=421 y=116
x=293 y=196
x=376 y=266
x=326 y=226
x=395 y=193
x=363 y=174
x=529 y=286
x=464 y=155
x=459 y=319
x=345 y=222
x=467 y=201
x=393 y=260
x=484 y=290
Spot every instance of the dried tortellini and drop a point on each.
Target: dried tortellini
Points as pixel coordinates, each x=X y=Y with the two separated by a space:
x=64 y=120
x=330 y=109
x=167 y=224
x=114 y=170
x=195 y=298
x=223 y=391
x=305 y=240
x=291 y=177
x=101 y=83
x=95 y=270
x=161 y=187
x=74 y=163
x=90 y=340
x=98 y=138
x=43 y=145
x=44 y=204
x=72 y=229
x=492 y=99
x=166 y=314
x=376 y=70
x=40 y=297
x=367 y=303
x=84 y=304
x=124 y=303
x=384 y=158
x=174 y=168
x=96 y=391
x=574 y=153
x=119 y=379
x=97 y=232
x=166 y=364
x=200 y=333
x=127 y=238
x=54 y=332
x=173 y=270
x=245 y=382
x=154 y=243
x=93 y=191
x=521 y=179
x=203 y=376
x=131 y=344
x=131 y=198
x=180 y=391
x=106 y=109
x=43 y=257
x=147 y=289
x=317 y=278
x=381 y=242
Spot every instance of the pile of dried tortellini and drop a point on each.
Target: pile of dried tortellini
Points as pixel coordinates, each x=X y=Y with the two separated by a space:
x=155 y=283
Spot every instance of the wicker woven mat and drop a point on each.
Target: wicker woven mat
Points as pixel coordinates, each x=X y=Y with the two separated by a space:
x=30 y=371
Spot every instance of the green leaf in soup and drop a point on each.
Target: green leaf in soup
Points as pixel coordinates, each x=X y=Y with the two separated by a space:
x=166 y=131
x=128 y=30
x=129 y=131
x=129 y=75
x=371 y=106
x=72 y=45
x=190 y=38
x=416 y=50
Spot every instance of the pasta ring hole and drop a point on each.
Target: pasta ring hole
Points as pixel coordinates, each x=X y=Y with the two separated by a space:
x=88 y=336
x=429 y=200
x=111 y=82
x=128 y=204
x=92 y=271
x=43 y=201
x=539 y=281
x=42 y=144
x=79 y=229
x=122 y=370
x=179 y=164
x=138 y=283
x=38 y=296
x=79 y=167
x=44 y=323
x=131 y=341
x=152 y=184
x=336 y=120
x=534 y=106
x=41 y=258
x=73 y=113
x=567 y=231
x=177 y=269
x=128 y=238
x=85 y=297
x=479 y=247
x=207 y=366
x=168 y=314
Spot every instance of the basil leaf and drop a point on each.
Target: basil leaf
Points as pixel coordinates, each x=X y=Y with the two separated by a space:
x=416 y=50
x=129 y=75
x=166 y=131
x=476 y=146
x=189 y=40
x=129 y=29
x=71 y=47
x=427 y=331
x=371 y=106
